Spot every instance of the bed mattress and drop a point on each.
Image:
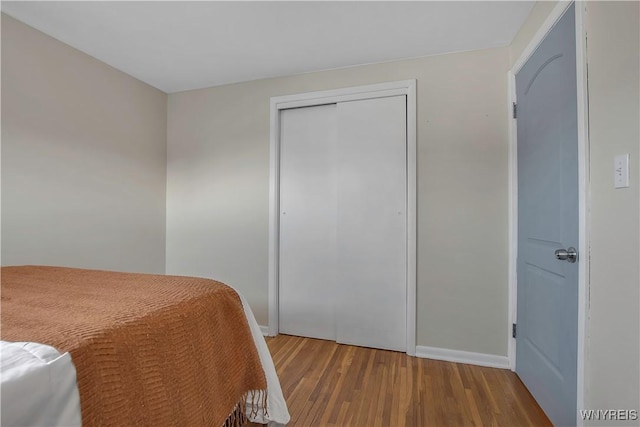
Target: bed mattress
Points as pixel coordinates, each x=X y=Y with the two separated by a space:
x=40 y=387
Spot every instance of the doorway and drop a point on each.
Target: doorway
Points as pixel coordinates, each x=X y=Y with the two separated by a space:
x=548 y=220
x=342 y=107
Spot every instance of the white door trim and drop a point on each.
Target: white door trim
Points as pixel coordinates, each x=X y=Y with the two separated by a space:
x=405 y=87
x=583 y=188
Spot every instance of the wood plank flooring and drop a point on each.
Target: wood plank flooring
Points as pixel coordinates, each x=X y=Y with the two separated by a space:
x=328 y=384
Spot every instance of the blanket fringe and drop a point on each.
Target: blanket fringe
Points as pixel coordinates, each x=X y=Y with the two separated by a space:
x=239 y=417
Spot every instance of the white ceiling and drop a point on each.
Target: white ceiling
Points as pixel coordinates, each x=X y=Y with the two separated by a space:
x=176 y=46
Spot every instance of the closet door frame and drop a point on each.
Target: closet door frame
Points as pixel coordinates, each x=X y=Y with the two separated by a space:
x=382 y=90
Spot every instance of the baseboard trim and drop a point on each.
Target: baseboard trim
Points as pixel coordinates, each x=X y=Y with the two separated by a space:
x=264 y=330
x=459 y=356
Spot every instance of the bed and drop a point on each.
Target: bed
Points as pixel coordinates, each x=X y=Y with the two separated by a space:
x=88 y=347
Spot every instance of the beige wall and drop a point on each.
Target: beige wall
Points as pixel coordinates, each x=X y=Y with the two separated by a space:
x=613 y=375
x=218 y=188
x=611 y=367
x=83 y=159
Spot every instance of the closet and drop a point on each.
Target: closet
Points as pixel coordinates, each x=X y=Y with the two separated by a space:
x=343 y=222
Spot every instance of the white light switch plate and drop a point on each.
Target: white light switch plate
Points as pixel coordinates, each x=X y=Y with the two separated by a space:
x=621 y=171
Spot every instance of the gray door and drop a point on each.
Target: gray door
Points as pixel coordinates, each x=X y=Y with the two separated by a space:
x=547 y=312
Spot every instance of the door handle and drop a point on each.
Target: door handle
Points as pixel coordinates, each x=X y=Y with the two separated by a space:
x=569 y=254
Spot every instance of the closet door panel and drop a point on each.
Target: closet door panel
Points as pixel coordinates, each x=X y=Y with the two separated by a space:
x=308 y=204
x=372 y=223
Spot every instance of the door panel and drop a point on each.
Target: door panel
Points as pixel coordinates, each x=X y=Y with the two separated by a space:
x=372 y=223
x=547 y=294
x=308 y=204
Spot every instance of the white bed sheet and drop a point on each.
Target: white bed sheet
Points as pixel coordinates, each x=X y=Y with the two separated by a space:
x=277 y=412
x=38 y=385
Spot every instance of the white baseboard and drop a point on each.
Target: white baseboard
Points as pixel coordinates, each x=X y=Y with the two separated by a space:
x=459 y=356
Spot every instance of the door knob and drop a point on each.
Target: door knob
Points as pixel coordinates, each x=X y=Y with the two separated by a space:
x=569 y=254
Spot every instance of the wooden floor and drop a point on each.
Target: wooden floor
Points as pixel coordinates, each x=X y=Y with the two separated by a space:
x=328 y=384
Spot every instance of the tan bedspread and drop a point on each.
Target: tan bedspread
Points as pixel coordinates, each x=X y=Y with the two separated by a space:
x=148 y=349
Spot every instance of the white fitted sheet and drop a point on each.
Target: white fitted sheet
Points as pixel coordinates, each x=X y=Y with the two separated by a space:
x=277 y=412
x=38 y=386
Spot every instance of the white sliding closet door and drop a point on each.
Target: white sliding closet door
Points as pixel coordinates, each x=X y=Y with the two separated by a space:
x=372 y=223
x=308 y=205
x=343 y=222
